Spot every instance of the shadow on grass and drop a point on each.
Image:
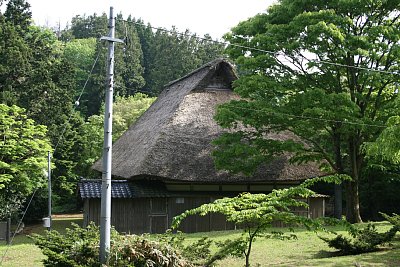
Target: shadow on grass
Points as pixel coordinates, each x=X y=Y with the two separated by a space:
x=386 y=256
x=322 y=254
x=329 y=254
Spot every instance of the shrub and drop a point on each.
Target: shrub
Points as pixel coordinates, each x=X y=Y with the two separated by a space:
x=80 y=247
x=361 y=241
x=394 y=219
x=198 y=253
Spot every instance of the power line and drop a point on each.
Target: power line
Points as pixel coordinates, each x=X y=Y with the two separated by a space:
x=77 y=101
x=262 y=50
x=275 y=54
x=311 y=118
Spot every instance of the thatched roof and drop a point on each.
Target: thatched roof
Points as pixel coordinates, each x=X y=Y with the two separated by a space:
x=172 y=139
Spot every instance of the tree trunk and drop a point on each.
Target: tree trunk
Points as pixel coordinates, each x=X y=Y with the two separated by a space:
x=351 y=187
x=352 y=202
x=338 y=209
x=247 y=260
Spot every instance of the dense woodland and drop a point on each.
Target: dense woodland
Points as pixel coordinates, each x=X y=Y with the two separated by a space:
x=52 y=88
x=57 y=81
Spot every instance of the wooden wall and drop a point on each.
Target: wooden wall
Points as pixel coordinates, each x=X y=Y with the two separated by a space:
x=154 y=215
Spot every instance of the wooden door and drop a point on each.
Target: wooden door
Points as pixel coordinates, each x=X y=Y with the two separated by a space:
x=158 y=215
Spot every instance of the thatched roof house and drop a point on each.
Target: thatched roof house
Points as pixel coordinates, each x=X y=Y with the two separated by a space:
x=171 y=141
x=170 y=144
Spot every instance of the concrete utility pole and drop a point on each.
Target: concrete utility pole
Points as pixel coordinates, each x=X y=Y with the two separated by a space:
x=105 y=217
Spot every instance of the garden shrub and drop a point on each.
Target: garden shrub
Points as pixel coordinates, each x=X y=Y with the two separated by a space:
x=361 y=240
x=80 y=247
x=198 y=253
x=394 y=219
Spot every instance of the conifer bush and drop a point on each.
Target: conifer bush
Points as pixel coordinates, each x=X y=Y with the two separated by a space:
x=363 y=240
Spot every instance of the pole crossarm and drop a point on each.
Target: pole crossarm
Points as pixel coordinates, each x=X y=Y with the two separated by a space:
x=109 y=39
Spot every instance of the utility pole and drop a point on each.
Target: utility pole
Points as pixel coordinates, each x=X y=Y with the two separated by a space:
x=49 y=186
x=105 y=217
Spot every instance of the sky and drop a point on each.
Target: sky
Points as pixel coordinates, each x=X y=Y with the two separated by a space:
x=215 y=17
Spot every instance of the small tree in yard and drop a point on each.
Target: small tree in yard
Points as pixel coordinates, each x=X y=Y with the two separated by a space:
x=255 y=214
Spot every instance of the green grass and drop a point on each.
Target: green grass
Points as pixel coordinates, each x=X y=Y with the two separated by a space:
x=307 y=250
x=23 y=252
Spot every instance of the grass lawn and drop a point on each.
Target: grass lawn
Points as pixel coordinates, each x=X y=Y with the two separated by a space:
x=23 y=253
x=307 y=250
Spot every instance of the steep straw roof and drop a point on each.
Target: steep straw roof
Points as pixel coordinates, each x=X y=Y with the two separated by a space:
x=172 y=139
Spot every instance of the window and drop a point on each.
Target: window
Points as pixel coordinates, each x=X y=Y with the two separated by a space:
x=180 y=200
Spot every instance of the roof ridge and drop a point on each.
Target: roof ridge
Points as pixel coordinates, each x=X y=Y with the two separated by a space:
x=212 y=63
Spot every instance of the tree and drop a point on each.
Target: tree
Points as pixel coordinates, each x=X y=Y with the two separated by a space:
x=80 y=53
x=128 y=69
x=19 y=14
x=125 y=112
x=255 y=214
x=327 y=78
x=175 y=54
x=37 y=77
x=130 y=58
x=14 y=62
x=23 y=153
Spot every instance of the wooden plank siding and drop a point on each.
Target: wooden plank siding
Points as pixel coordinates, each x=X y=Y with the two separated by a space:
x=154 y=215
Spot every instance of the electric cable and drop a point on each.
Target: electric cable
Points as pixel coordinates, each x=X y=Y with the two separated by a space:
x=261 y=50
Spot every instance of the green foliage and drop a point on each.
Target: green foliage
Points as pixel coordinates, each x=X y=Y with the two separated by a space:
x=35 y=75
x=125 y=112
x=198 y=253
x=14 y=64
x=255 y=213
x=80 y=53
x=10 y=206
x=362 y=240
x=313 y=86
x=18 y=12
x=128 y=69
x=394 y=219
x=23 y=152
x=79 y=247
x=379 y=190
x=387 y=146
x=175 y=55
